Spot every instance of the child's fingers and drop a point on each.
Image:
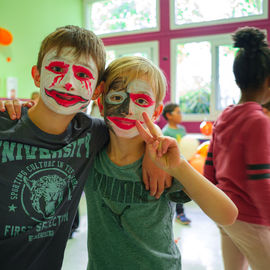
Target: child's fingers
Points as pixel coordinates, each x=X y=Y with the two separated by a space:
x=9 y=105
x=29 y=104
x=17 y=108
x=144 y=133
x=150 y=125
x=145 y=179
x=2 y=106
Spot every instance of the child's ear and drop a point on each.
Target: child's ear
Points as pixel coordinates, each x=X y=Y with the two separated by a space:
x=101 y=107
x=36 y=76
x=98 y=91
x=157 y=112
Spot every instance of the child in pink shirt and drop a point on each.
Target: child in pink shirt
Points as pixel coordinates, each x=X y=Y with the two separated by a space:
x=238 y=160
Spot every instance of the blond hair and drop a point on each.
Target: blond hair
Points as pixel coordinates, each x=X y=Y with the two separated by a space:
x=84 y=42
x=130 y=68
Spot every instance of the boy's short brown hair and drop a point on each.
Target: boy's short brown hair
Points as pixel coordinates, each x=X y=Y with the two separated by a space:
x=84 y=41
x=135 y=67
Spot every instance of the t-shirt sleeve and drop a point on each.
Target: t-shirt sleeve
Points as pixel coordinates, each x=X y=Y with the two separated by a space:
x=209 y=169
x=257 y=156
x=176 y=193
x=100 y=134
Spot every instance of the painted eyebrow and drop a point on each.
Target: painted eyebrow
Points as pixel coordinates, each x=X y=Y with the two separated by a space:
x=79 y=63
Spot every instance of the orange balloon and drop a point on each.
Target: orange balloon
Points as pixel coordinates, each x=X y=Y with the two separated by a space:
x=197 y=162
x=206 y=128
x=5 y=37
x=203 y=148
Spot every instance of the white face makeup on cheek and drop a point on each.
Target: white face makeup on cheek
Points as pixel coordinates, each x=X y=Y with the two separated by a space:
x=66 y=82
x=142 y=99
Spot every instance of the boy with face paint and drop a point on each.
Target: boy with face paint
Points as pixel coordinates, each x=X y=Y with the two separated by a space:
x=127 y=228
x=47 y=154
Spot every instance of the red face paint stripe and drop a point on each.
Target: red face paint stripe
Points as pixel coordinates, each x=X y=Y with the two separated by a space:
x=123 y=123
x=58 y=64
x=134 y=97
x=80 y=69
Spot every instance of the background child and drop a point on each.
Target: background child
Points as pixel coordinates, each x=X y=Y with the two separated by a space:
x=266 y=108
x=172 y=114
x=127 y=228
x=238 y=160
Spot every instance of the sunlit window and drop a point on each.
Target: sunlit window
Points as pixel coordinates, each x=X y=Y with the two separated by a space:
x=203 y=82
x=148 y=50
x=193 y=77
x=109 y=16
x=189 y=12
x=227 y=90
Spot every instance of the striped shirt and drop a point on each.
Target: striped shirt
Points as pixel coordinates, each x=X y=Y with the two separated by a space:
x=238 y=160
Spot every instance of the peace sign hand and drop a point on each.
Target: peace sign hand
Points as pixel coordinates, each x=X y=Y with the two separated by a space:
x=163 y=150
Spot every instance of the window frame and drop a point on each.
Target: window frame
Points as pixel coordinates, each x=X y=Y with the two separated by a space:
x=215 y=40
x=174 y=26
x=87 y=5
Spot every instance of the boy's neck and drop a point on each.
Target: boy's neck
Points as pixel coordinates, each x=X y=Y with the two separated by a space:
x=173 y=125
x=47 y=120
x=123 y=151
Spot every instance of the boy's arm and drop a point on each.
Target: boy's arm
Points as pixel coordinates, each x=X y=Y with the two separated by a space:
x=154 y=178
x=165 y=153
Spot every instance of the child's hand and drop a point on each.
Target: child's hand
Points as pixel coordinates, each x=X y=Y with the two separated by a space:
x=155 y=179
x=163 y=150
x=13 y=107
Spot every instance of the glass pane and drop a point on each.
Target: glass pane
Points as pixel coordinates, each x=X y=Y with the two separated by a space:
x=112 y=54
x=123 y=15
x=228 y=93
x=193 y=77
x=194 y=11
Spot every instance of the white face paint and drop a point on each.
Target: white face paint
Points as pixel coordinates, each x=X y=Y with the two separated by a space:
x=136 y=99
x=67 y=83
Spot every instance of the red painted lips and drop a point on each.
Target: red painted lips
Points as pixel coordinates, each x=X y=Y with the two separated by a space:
x=65 y=99
x=123 y=123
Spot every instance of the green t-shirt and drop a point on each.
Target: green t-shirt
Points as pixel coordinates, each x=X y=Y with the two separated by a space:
x=127 y=228
x=175 y=133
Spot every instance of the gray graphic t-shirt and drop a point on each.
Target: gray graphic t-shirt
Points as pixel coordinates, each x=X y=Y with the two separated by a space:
x=128 y=228
x=41 y=180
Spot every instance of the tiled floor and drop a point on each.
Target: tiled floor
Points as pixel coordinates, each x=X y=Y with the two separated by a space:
x=199 y=242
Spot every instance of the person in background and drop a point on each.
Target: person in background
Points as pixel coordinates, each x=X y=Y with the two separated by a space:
x=174 y=129
x=238 y=160
x=266 y=109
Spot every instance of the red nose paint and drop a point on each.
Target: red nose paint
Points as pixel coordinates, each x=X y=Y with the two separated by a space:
x=68 y=86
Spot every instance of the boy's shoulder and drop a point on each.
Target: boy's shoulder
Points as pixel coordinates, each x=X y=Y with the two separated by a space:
x=6 y=122
x=86 y=121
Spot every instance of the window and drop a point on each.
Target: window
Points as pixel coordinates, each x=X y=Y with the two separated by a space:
x=204 y=83
x=191 y=13
x=146 y=49
x=189 y=39
x=109 y=17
